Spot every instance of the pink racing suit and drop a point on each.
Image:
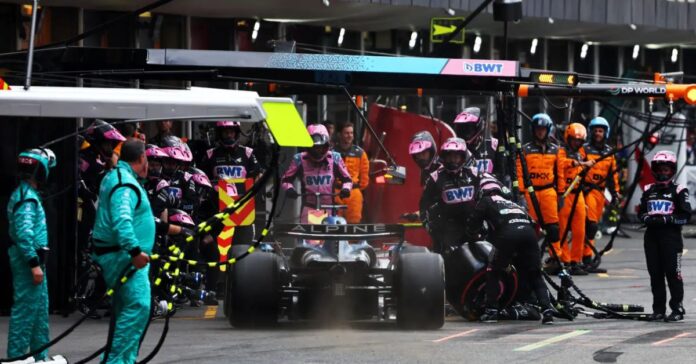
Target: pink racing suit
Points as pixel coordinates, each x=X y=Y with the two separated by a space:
x=316 y=177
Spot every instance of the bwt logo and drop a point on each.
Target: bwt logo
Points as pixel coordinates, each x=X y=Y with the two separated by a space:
x=318 y=180
x=457 y=195
x=481 y=67
x=230 y=171
x=660 y=207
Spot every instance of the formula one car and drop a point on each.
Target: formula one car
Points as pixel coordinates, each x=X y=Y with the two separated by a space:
x=337 y=272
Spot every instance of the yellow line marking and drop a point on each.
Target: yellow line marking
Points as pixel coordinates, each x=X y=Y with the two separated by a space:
x=553 y=340
x=463 y=333
x=684 y=251
x=602 y=275
x=683 y=334
x=210 y=312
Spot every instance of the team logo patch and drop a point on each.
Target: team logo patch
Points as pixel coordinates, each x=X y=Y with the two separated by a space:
x=458 y=195
x=318 y=180
x=230 y=172
x=660 y=207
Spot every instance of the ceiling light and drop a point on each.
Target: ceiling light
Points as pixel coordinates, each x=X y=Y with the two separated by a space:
x=675 y=55
x=636 y=51
x=341 y=34
x=583 y=50
x=412 y=41
x=477 y=44
x=535 y=42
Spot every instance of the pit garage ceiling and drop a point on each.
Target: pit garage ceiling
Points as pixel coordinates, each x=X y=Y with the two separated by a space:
x=657 y=22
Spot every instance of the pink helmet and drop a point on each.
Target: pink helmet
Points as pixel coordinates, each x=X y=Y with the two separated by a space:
x=661 y=158
x=153 y=151
x=468 y=124
x=454 y=145
x=228 y=124
x=200 y=178
x=422 y=141
x=319 y=134
x=180 y=217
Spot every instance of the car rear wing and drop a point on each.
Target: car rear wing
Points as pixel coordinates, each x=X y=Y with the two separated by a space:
x=338 y=232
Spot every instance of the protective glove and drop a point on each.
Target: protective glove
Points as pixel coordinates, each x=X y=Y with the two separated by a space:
x=186 y=232
x=561 y=201
x=291 y=193
x=345 y=193
x=658 y=220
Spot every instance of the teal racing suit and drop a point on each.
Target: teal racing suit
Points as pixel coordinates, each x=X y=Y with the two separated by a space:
x=123 y=228
x=29 y=319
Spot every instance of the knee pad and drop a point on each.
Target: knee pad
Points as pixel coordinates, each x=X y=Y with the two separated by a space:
x=591 y=228
x=552 y=232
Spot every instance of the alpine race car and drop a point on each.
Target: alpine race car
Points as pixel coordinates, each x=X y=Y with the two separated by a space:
x=337 y=272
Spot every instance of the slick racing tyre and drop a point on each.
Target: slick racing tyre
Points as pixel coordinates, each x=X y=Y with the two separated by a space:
x=419 y=288
x=254 y=291
x=235 y=251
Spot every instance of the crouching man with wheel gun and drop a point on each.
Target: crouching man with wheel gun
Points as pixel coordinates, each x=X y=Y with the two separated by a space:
x=512 y=233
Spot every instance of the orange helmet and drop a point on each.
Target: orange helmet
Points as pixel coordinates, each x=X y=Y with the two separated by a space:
x=575 y=131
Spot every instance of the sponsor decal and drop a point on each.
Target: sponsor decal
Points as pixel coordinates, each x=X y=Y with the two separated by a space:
x=638 y=90
x=457 y=195
x=340 y=229
x=230 y=172
x=660 y=207
x=318 y=180
x=175 y=192
x=478 y=67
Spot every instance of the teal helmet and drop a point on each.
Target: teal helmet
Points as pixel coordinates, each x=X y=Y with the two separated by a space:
x=36 y=163
x=600 y=122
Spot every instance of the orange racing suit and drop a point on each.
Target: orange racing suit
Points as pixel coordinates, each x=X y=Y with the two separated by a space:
x=358 y=166
x=568 y=169
x=600 y=176
x=541 y=165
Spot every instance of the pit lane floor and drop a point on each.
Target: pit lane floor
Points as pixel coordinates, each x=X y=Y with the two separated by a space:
x=202 y=335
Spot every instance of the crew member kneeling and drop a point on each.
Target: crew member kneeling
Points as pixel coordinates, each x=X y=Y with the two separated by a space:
x=664 y=208
x=124 y=234
x=512 y=234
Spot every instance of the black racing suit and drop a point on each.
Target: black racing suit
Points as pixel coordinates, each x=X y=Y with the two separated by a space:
x=511 y=231
x=223 y=162
x=447 y=205
x=427 y=171
x=182 y=188
x=487 y=159
x=664 y=208
x=91 y=171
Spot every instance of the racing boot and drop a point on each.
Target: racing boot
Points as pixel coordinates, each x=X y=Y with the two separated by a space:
x=656 y=316
x=588 y=266
x=676 y=315
x=547 y=317
x=552 y=266
x=576 y=270
x=489 y=316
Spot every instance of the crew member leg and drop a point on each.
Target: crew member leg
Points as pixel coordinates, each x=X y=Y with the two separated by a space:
x=652 y=249
x=132 y=316
x=353 y=213
x=578 y=229
x=671 y=261
x=548 y=204
x=29 y=316
x=595 y=208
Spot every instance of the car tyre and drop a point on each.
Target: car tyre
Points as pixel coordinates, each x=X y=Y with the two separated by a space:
x=420 y=291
